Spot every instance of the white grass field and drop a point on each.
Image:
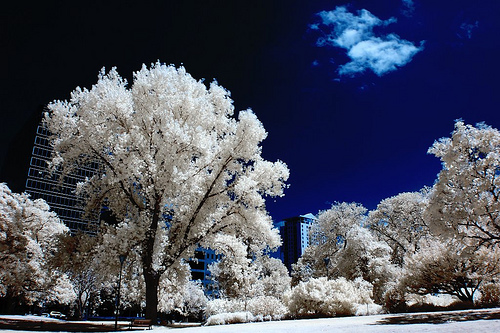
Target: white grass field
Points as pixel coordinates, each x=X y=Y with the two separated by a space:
x=467 y=321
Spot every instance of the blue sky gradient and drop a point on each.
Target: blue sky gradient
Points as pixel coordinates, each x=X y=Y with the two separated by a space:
x=352 y=93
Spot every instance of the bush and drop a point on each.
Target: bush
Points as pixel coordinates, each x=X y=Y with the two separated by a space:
x=327 y=298
x=267 y=307
x=223 y=305
x=490 y=295
x=230 y=318
x=225 y=311
x=395 y=300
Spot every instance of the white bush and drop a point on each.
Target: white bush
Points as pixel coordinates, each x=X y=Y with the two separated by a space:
x=442 y=300
x=223 y=305
x=368 y=309
x=322 y=297
x=261 y=308
x=230 y=318
x=267 y=307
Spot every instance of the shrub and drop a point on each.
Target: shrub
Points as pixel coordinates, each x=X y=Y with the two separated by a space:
x=267 y=307
x=223 y=305
x=225 y=311
x=490 y=295
x=326 y=298
x=395 y=300
x=230 y=318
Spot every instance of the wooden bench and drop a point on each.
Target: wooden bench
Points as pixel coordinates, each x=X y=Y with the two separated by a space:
x=141 y=323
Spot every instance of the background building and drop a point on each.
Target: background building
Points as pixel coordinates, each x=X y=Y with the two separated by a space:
x=199 y=269
x=58 y=193
x=294 y=233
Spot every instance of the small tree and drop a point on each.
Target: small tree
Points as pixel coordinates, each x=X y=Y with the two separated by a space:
x=28 y=232
x=77 y=256
x=176 y=168
x=247 y=278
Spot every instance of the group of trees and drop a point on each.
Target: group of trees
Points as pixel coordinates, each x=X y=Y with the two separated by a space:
x=28 y=234
x=178 y=170
x=440 y=240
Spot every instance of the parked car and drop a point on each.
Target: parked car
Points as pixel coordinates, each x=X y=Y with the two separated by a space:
x=57 y=314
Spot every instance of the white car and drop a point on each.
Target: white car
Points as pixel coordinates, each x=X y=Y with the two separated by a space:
x=57 y=314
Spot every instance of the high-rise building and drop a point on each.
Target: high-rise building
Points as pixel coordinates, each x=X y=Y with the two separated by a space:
x=58 y=193
x=294 y=232
x=200 y=269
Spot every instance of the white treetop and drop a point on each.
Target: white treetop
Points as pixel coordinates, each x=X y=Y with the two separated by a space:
x=399 y=221
x=465 y=198
x=28 y=232
x=177 y=169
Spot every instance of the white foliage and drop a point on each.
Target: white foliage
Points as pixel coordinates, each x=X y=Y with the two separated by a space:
x=177 y=168
x=183 y=297
x=230 y=318
x=342 y=247
x=322 y=297
x=28 y=233
x=440 y=300
x=221 y=310
x=241 y=277
x=224 y=305
x=267 y=307
x=399 y=221
x=451 y=268
x=464 y=199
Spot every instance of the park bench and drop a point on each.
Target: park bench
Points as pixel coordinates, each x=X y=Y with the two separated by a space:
x=141 y=323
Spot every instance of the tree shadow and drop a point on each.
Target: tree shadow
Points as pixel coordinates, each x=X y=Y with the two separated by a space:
x=439 y=318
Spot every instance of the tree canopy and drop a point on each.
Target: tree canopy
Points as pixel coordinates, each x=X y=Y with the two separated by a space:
x=176 y=167
x=465 y=198
x=28 y=234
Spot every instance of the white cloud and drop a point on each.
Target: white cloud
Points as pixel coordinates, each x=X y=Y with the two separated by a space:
x=354 y=33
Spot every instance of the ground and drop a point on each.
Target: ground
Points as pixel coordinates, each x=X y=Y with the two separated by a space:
x=486 y=320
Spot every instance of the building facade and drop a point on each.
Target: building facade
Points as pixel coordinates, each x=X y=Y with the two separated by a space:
x=295 y=235
x=200 y=271
x=58 y=193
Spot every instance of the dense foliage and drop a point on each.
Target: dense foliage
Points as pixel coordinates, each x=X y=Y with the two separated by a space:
x=28 y=234
x=177 y=169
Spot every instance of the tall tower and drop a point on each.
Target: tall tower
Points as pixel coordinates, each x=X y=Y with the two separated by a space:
x=59 y=194
x=294 y=232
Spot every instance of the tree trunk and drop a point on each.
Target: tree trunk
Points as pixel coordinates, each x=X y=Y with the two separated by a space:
x=151 y=276
x=152 y=281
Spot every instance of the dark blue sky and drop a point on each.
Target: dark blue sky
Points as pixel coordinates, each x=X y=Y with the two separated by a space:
x=346 y=136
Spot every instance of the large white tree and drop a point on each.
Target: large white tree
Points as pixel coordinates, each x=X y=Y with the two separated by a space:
x=28 y=234
x=450 y=267
x=399 y=221
x=466 y=197
x=177 y=168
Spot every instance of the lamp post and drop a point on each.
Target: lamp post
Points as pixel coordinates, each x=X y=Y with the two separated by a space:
x=327 y=261
x=117 y=303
